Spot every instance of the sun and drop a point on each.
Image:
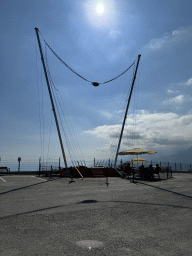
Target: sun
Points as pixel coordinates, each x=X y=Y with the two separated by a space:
x=100 y=13
x=100 y=9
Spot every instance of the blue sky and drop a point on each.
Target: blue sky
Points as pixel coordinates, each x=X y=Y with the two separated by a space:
x=98 y=46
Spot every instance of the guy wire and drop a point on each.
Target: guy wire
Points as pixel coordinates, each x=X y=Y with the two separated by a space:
x=68 y=144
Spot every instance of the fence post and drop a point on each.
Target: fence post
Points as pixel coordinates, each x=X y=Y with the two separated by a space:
x=51 y=171
x=168 y=170
x=171 y=171
x=39 y=166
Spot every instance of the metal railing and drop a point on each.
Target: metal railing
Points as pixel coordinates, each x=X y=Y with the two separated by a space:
x=25 y=165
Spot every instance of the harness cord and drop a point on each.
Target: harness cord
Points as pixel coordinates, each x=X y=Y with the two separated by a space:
x=120 y=74
x=93 y=83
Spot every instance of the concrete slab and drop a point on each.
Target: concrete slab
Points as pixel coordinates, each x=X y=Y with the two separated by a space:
x=89 y=218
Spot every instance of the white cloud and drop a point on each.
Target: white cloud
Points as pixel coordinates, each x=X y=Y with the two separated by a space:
x=183 y=91
x=106 y=114
x=170 y=91
x=176 y=100
x=155 y=131
x=177 y=36
x=119 y=111
x=189 y=82
x=182 y=32
x=157 y=43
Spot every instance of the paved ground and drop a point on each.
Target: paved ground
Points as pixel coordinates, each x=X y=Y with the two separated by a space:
x=42 y=217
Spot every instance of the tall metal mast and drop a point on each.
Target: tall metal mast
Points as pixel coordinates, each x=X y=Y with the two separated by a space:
x=139 y=56
x=52 y=103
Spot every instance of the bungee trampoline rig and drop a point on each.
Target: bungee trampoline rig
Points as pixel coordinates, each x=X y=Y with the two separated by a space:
x=83 y=171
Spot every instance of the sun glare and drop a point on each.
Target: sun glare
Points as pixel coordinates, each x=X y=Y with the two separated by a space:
x=100 y=9
x=100 y=13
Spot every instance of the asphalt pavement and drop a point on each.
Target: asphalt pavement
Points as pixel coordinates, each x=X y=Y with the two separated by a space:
x=42 y=216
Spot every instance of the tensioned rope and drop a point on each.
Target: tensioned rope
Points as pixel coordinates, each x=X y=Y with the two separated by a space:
x=71 y=146
x=93 y=83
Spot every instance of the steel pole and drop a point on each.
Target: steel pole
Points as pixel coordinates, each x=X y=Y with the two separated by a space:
x=139 y=56
x=52 y=103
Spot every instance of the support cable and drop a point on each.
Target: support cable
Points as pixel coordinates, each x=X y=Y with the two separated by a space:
x=69 y=145
x=49 y=137
x=93 y=83
x=54 y=97
x=64 y=132
x=117 y=120
x=57 y=100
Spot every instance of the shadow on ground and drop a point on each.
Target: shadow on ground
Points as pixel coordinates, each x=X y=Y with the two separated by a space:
x=16 y=189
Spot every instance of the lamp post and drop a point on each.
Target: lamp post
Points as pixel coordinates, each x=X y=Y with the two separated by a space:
x=19 y=160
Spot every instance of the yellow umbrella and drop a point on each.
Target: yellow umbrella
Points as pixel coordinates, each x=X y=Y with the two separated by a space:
x=134 y=151
x=139 y=160
x=150 y=152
